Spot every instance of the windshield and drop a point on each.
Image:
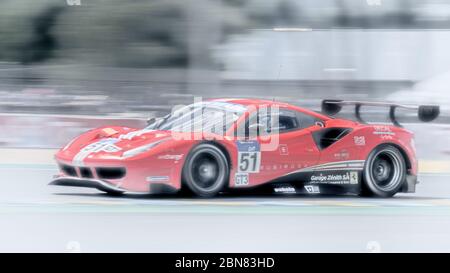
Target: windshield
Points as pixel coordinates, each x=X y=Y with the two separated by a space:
x=212 y=117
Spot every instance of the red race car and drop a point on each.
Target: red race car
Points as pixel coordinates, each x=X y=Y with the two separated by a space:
x=235 y=144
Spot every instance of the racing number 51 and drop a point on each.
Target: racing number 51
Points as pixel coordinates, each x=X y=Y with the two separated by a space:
x=249 y=162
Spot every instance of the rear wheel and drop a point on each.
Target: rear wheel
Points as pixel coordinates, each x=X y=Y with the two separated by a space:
x=384 y=172
x=206 y=171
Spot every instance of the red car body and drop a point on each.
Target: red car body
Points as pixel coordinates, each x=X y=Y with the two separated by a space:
x=305 y=160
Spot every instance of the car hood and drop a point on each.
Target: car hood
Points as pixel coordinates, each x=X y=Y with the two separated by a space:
x=112 y=141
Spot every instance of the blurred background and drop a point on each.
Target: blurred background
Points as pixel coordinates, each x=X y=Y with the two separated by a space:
x=67 y=66
x=70 y=65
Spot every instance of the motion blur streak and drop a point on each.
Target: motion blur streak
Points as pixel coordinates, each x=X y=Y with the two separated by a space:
x=70 y=66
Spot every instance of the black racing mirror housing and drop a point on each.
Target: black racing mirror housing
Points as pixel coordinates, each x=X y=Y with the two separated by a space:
x=151 y=120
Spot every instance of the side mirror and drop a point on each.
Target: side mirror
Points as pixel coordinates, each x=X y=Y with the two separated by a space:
x=321 y=124
x=151 y=121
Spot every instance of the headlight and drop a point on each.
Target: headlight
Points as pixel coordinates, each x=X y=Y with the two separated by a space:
x=141 y=149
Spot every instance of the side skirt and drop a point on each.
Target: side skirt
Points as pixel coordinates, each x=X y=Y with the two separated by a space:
x=313 y=183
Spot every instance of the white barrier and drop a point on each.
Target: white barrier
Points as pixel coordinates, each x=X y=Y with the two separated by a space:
x=52 y=131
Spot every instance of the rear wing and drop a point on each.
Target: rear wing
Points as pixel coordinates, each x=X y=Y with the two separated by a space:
x=426 y=113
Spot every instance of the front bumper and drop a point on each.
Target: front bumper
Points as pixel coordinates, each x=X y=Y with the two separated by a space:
x=86 y=183
x=131 y=175
x=98 y=184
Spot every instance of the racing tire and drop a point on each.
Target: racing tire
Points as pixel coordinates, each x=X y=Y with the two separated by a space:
x=206 y=170
x=384 y=172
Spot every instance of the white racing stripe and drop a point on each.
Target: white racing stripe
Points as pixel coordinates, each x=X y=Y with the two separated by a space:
x=100 y=145
x=334 y=166
x=340 y=165
x=78 y=159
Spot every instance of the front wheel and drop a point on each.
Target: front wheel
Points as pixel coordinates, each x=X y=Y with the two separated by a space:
x=384 y=172
x=206 y=170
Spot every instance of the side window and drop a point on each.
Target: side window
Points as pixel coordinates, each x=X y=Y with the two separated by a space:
x=281 y=121
x=287 y=121
x=306 y=120
x=251 y=126
x=256 y=124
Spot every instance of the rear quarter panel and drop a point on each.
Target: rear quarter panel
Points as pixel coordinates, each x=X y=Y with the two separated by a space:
x=365 y=138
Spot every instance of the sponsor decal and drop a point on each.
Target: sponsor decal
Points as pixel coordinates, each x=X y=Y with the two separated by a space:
x=248 y=146
x=99 y=145
x=312 y=189
x=335 y=167
x=249 y=156
x=386 y=137
x=171 y=157
x=277 y=167
x=106 y=145
x=241 y=179
x=359 y=140
x=343 y=154
x=335 y=178
x=384 y=133
x=283 y=149
x=159 y=178
x=284 y=189
x=354 y=178
x=382 y=130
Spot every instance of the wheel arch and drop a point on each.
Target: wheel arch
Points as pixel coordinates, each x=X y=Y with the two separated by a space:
x=220 y=146
x=402 y=150
x=367 y=189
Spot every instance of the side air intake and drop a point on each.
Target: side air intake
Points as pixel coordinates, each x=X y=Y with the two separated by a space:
x=327 y=137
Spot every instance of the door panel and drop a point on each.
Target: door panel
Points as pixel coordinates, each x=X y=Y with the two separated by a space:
x=296 y=150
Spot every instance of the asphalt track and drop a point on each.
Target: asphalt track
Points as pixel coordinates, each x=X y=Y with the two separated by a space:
x=36 y=217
